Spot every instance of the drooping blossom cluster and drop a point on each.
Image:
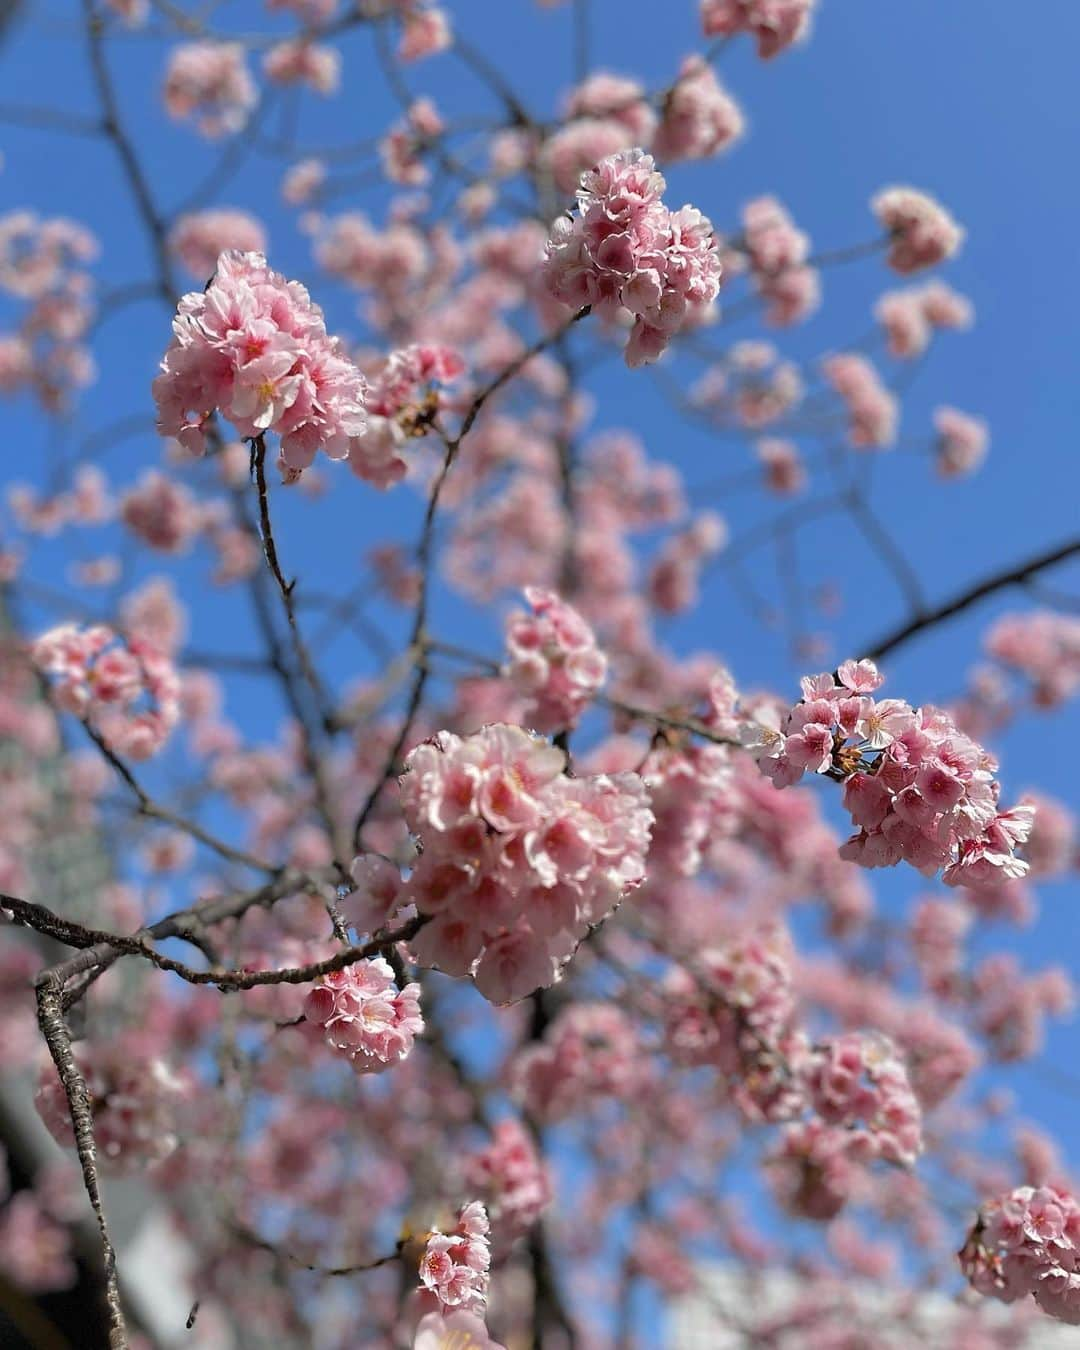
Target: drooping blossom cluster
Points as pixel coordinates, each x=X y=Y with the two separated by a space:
x=425 y=27
x=626 y=251
x=673 y=578
x=751 y=387
x=127 y=691
x=961 y=442
x=589 y=1053
x=299 y=61
x=254 y=347
x=401 y=149
x=210 y=83
x=43 y=265
x=363 y=1014
x=872 y=410
x=1043 y=646
x=778 y=252
x=774 y=24
x=518 y=860
x=200 y=237
x=136 y=1101
x=921 y=232
x=859 y=1083
x=699 y=118
x=456 y=1329
x=161 y=512
x=909 y=317
x=1028 y=1242
x=735 y=1009
x=454 y=1266
x=512 y=1177
x=916 y=787
x=554 y=661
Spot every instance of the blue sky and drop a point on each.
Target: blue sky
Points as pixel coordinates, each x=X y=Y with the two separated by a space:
x=973 y=101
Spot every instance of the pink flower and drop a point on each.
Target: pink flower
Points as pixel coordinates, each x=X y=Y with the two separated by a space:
x=364 y=1016
x=1028 y=1242
x=518 y=860
x=626 y=250
x=961 y=444
x=554 y=660
x=699 y=118
x=454 y=1267
x=254 y=347
x=455 y=1331
x=298 y=61
x=210 y=82
x=199 y=238
x=922 y=233
x=775 y=24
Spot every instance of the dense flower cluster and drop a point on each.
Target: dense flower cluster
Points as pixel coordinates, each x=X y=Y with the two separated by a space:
x=512 y=1177
x=298 y=61
x=910 y=317
x=778 y=253
x=200 y=237
x=554 y=661
x=774 y=24
x=916 y=787
x=43 y=265
x=1044 y=647
x=626 y=251
x=136 y=1101
x=961 y=443
x=735 y=1009
x=210 y=82
x=254 y=347
x=128 y=692
x=454 y=1266
x=700 y=118
x=921 y=232
x=364 y=1015
x=872 y=410
x=1028 y=1242
x=859 y=1083
x=518 y=859
x=161 y=512
x=589 y=1053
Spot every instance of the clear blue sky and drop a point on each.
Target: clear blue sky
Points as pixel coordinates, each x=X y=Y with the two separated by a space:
x=974 y=101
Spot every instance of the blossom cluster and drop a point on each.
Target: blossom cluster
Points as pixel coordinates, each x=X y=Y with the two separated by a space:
x=43 y=264
x=512 y=1177
x=589 y=1053
x=518 y=859
x=364 y=1016
x=774 y=24
x=778 y=252
x=915 y=786
x=858 y=1082
x=700 y=118
x=921 y=232
x=911 y=316
x=1028 y=1242
x=961 y=442
x=1043 y=646
x=626 y=251
x=210 y=82
x=136 y=1101
x=198 y=238
x=872 y=410
x=735 y=1010
x=454 y=1266
x=554 y=661
x=127 y=691
x=254 y=347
